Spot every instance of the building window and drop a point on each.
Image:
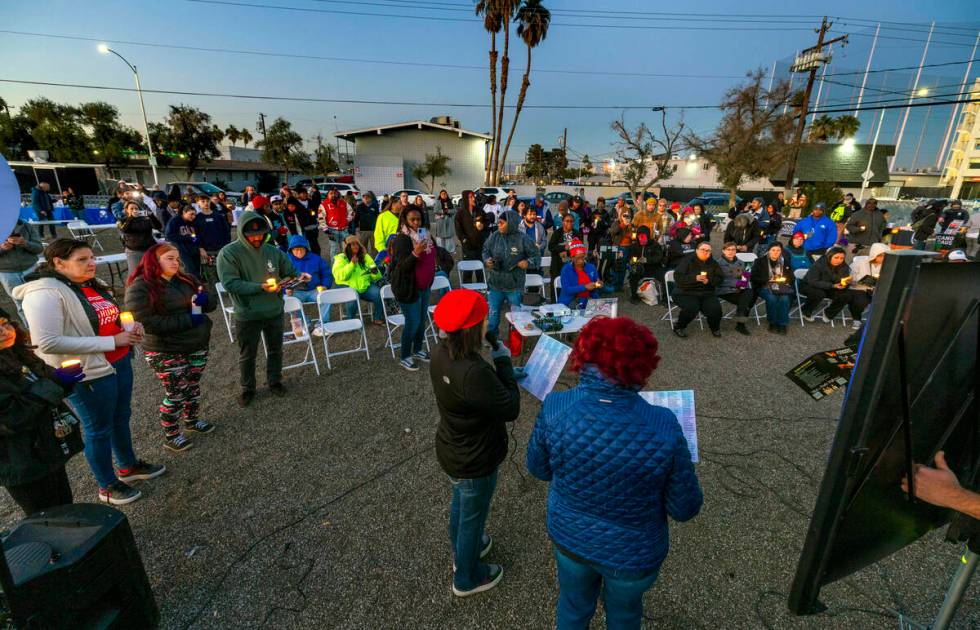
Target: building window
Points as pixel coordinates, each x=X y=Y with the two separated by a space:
x=974 y=165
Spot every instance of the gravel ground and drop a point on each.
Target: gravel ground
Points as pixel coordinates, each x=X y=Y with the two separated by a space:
x=328 y=509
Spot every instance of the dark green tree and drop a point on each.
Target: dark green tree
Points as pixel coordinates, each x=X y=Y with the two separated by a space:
x=192 y=134
x=557 y=163
x=111 y=141
x=536 y=162
x=58 y=129
x=284 y=147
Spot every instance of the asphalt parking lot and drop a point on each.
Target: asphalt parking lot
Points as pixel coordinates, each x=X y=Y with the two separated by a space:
x=328 y=508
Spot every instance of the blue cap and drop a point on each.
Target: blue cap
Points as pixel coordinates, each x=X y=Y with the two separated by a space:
x=820 y=205
x=759 y=199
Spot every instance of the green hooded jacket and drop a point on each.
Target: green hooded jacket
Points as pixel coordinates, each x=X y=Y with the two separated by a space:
x=243 y=269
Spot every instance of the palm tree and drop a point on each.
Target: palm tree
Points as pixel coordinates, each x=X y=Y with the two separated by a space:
x=246 y=136
x=492 y=22
x=822 y=129
x=846 y=127
x=233 y=134
x=532 y=26
x=506 y=9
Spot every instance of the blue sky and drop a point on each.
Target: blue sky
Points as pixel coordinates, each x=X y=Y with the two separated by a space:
x=729 y=41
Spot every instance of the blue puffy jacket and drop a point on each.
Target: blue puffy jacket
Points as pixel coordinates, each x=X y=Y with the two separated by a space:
x=570 y=286
x=822 y=232
x=317 y=267
x=618 y=467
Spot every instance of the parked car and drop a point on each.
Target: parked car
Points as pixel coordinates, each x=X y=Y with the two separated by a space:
x=714 y=202
x=557 y=197
x=206 y=188
x=412 y=193
x=628 y=198
x=324 y=188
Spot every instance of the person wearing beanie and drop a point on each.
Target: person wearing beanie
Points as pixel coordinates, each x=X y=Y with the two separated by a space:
x=306 y=213
x=507 y=254
x=305 y=261
x=476 y=400
x=829 y=278
x=579 y=279
x=644 y=257
x=744 y=231
x=819 y=230
x=252 y=271
x=277 y=219
x=617 y=468
x=696 y=279
x=798 y=258
x=354 y=268
x=184 y=231
x=679 y=247
x=866 y=226
x=772 y=280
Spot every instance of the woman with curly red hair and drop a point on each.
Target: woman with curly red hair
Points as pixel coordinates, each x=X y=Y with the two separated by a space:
x=171 y=305
x=618 y=467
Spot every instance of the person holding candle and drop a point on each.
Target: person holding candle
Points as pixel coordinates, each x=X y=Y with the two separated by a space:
x=644 y=257
x=866 y=226
x=559 y=243
x=696 y=278
x=137 y=228
x=39 y=433
x=171 y=305
x=251 y=270
x=579 y=279
x=471 y=230
x=184 y=231
x=74 y=316
x=305 y=261
x=734 y=287
x=507 y=255
x=772 y=279
x=828 y=278
x=353 y=268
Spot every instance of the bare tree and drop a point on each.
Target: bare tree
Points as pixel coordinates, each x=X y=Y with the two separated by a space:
x=647 y=154
x=754 y=136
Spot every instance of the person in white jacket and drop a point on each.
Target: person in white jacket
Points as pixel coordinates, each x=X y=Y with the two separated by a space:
x=73 y=317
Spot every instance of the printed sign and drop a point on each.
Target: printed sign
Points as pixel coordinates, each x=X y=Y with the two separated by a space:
x=681 y=402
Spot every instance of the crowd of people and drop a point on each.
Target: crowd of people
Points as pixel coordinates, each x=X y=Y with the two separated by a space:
x=66 y=367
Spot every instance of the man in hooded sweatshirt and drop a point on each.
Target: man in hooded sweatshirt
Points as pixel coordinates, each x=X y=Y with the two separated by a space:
x=507 y=254
x=252 y=271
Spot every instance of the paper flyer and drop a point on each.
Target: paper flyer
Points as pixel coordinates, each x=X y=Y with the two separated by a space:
x=682 y=404
x=545 y=366
x=824 y=372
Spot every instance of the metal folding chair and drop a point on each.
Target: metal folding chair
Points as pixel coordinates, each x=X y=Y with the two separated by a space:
x=472 y=265
x=81 y=231
x=226 y=309
x=298 y=332
x=324 y=301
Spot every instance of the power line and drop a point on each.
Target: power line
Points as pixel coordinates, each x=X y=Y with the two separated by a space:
x=269 y=53
x=922 y=25
x=928 y=65
x=897 y=106
x=895 y=37
x=261 y=97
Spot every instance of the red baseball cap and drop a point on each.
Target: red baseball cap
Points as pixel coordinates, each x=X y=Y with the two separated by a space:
x=259 y=202
x=460 y=309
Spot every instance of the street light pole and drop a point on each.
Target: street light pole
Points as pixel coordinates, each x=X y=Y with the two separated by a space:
x=151 y=158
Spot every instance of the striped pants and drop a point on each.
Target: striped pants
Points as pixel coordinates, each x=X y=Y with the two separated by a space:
x=180 y=375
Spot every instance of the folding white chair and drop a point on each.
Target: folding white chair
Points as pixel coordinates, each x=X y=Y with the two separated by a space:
x=472 y=265
x=227 y=310
x=557 y=285
x=438 y=283
x=534 y=281
x=324 y=301
x=546 y=269
x=81 y=231
x=746 y=257
x=857 y=260
x=394 y=321
x=668 y=281
x=798 y=276
x=787 y=228
x=298 y=332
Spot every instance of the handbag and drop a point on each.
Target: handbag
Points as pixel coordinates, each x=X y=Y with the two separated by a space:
x=67 y=430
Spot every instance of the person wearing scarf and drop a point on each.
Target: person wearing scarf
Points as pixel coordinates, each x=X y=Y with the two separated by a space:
x=413 y=267
x=443 y=223
x=772 y=280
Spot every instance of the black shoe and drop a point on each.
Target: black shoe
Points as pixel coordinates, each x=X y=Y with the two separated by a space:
x=494 y=575
x=781 y=330
x=246 y=397
x=773 y=328
x=141 y=470
x=199 y=426
x=740 y=328
x=118 y=493
x=278 y=389
x=178 y=443
x=716 y=333
x=680 y=332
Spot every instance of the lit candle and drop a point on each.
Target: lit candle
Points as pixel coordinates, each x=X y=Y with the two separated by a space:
x=271 y=283
x=598 y=284
x=320 y=289
x=845 y=280
x=894 y=230
x=72 y=365
x=128 y=323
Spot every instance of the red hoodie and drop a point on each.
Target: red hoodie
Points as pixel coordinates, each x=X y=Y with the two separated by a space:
x=333 y=214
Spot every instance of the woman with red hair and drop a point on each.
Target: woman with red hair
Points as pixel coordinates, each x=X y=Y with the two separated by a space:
x=618 y=467
x=171 y=305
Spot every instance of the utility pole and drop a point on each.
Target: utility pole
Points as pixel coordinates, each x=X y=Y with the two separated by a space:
x=260 y=127
x=809 y=59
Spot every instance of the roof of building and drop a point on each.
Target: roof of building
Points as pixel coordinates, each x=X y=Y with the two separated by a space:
x=838 y=163
x=418 y=124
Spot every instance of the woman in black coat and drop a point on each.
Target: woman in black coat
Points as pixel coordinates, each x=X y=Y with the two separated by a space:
x=679 y=247
x=472 y=229
x=38 y=432
x=744 y=231
x=137 y=228
x=828 y=279
x=559 y=242
x=696 y=278
x=171 y=305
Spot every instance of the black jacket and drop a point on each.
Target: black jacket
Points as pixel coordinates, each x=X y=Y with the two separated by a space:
x=169 y=328
x=685 y=276
x=137 y=232
x=470 y=238
x=365 y=217
x=748 y=236
x=677 y=251
x=475 y=399
x=822 y=276
x=760 y=275
x=866 y=227
x=29 y=449
x=557 y=245
x=651 y=254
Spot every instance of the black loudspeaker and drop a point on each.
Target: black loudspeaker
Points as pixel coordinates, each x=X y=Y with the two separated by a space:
x=76 y=566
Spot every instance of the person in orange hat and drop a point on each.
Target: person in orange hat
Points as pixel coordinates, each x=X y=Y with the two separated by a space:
x=579 y=279
x=475 y=401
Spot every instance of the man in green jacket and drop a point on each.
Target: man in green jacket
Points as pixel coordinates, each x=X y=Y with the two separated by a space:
x=252 y=272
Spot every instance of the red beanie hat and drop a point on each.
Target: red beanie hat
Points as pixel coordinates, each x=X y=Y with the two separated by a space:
x=795 y=234
x=576 y=247
x=259 y=202
x=460 y=309
x=675 y=205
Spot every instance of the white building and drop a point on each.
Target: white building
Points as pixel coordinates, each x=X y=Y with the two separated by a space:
x=962 y=170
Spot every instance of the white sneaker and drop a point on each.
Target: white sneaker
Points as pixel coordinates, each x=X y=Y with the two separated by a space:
x=824 y=319
x=856 y=324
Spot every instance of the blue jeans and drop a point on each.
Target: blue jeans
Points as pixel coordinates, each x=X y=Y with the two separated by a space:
x=777 y=307
x=467 y=518
x=496 y=299
x=11 y=279
x=103 y=406
x=416 y=321
x=308 y=296
x=373 y=295
x=578 y=593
